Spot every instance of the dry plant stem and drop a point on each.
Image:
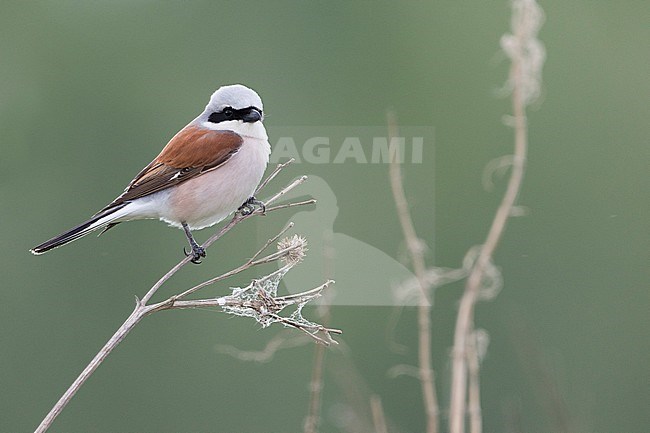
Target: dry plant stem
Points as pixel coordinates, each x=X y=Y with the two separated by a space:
x=474 y=391
x=126 y=327
x=465 y=320
x=142 y=309
x=251 y=262
x=292 y=204
x=415 y=248
x=173 y=303
x=274 y=173
x=225 y=229
x=378 y=418
x=315 y=385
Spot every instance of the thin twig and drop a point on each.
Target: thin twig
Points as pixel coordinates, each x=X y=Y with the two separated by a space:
x=142 y=309
x=312 y=332
x=378 y=418
x=526 y=21
x=270 y=241
x=474 y=388
x=316 y=383
x=249 y=264
x=415 y=247
x=274 y=173
x=127 y=326
x=225 y=229
x=286 y=189
x=282 y=340
x=292 y=204
x=315 y=390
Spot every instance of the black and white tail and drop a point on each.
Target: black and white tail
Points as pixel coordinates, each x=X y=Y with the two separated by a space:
x=105 y=219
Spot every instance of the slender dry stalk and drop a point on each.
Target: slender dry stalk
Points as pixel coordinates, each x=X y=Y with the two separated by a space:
x=142 y=309
x=415 y=248
x=316 y=383
x=378 y=418
x=474 y=390
x=527 y=56
x=315 y=390
x=274 y=345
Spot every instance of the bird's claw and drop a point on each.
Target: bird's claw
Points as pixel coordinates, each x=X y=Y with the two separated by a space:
x=248 y=207
x=197 y=253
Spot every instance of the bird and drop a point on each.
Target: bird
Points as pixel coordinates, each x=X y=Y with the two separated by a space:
x=207 y=171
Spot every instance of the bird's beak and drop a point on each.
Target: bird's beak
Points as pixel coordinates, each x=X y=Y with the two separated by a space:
x=252 y=116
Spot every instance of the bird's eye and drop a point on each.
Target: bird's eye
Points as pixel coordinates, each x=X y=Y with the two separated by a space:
x=228 y=112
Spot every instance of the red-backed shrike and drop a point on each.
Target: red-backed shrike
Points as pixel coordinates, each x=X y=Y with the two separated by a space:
x=208 y=170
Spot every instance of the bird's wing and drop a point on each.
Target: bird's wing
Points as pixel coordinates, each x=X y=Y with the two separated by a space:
x=190 y=153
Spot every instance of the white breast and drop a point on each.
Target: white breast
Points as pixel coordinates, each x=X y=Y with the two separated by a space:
x=211 y=197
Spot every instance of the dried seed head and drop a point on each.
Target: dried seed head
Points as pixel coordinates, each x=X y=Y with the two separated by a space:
x=296 y=247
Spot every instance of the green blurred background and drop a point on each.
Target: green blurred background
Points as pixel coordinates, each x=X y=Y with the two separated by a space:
x=90 y=91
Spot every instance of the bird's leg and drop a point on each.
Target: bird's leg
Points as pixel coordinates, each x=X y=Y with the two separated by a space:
x=248 y=207
x=197 y=250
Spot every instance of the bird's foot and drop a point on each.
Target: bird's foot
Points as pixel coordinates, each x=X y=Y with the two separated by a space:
x=197 y=253
x=248 y=207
